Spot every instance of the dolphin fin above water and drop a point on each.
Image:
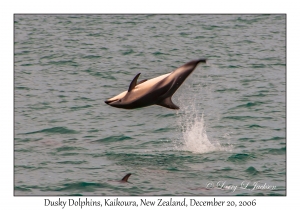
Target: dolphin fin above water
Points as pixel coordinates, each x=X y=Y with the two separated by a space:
x=156 y=91
x=125 y=178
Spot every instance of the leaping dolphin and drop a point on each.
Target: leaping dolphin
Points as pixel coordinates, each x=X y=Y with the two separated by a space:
x=156 y=91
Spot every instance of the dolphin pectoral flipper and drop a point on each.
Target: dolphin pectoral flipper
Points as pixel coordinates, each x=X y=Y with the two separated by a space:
x=168 y=103
x=133 y=82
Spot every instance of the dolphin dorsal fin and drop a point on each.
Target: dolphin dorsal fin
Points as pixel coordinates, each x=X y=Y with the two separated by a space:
x=133 y=82
x=168 y=103
x=125 y=178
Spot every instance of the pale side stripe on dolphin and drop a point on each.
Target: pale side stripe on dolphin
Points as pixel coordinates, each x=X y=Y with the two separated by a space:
x=156 y=91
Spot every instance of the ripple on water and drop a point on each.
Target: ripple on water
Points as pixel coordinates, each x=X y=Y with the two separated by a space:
x=55 y=130
x=114 y=138
x=252 y=171
x=240 y=157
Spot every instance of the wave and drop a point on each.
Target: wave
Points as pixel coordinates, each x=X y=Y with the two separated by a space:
x=57 y=130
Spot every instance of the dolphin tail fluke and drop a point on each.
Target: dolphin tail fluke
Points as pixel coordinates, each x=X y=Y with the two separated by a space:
x=168 y=103
x=125 y=178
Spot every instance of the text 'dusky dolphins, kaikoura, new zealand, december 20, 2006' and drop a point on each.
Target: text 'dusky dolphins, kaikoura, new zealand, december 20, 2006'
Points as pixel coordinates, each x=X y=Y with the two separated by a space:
x=156 y=91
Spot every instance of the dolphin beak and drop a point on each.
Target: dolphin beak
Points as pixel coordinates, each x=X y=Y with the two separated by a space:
x=110 y=101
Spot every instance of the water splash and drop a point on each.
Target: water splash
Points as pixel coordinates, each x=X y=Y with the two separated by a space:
x=194 y=137
x=193 y=129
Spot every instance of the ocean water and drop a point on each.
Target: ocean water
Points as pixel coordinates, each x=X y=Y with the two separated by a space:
x=230 y=129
